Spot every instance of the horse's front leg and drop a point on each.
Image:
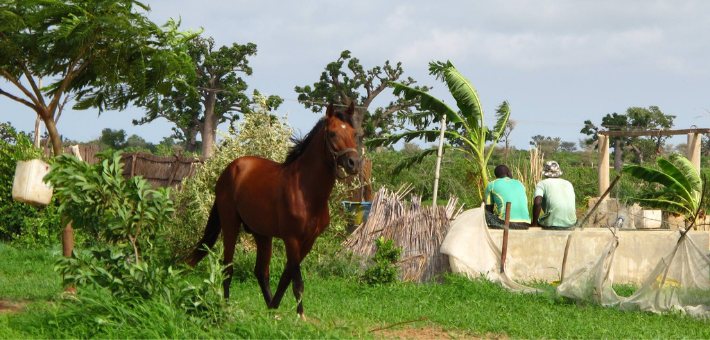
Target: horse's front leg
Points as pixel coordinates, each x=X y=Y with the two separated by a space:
x=292 y=272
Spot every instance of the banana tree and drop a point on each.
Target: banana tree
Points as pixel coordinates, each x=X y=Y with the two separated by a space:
x=682 y=188
x=465 y=131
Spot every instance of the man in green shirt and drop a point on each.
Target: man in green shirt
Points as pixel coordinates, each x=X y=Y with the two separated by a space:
x=505 y=189
x=555 y=197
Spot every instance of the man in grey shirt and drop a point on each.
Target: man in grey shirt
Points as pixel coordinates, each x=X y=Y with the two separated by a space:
x=554 y=196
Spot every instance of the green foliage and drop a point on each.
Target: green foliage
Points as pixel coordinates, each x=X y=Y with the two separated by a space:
x=455 y=178
x=76 y=44
x=19 y=222
x=106 y=206
x=681 y=188
x=215 y=95
x=260 y=133
x=384 y=270
x=113 y=288
x=341 y=86
x=635 y=119
x=112 y=139
x=467 y=132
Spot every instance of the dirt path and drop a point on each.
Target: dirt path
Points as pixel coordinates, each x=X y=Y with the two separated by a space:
x=426 y=332
x=7 y=306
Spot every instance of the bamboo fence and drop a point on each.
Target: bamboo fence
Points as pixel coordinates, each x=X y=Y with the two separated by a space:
x=418 y=229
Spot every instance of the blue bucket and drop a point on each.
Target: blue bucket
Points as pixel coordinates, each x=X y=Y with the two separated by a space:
x=361 y=210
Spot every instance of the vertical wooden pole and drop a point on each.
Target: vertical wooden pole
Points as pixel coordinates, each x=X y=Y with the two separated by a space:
x=693 y=153
x=438 y=159
x=603 y=147
x=564 y=258
x=504 y=250
x=38 y=125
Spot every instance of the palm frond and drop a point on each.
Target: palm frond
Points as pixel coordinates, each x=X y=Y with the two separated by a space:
x=665 y=204
x=427 y=102
x=427 y=135
x=465 y=95
x=502 y=114
x=688 y=170
x=655 y=176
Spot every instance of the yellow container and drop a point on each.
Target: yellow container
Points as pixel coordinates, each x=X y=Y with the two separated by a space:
x=361 y=210
x=28 y=186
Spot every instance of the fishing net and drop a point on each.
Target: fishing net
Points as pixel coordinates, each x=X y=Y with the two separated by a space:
x=679 y=282
x=473 y=253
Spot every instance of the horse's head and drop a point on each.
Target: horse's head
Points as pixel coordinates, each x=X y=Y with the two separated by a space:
x=340 y=138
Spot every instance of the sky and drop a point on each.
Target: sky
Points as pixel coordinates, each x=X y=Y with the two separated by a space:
x=558 y=63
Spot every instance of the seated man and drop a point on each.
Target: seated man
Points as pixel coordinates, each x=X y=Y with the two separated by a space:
x=555 y=197
x=505 y=189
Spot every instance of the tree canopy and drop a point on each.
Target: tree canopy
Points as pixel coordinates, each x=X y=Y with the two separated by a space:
x=106 y=53
x=214 y=95
x=342 y=86
x=635 y=119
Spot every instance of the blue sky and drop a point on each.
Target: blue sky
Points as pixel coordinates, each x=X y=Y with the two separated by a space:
x=556 y=62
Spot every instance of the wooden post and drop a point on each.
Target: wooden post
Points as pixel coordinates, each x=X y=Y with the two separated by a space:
x=504 y=250
x=438 y=159
x=133 y=165
x=38 y=125
x=603 y=147
x=173 y=171
x=693 y=153
x=564 y=258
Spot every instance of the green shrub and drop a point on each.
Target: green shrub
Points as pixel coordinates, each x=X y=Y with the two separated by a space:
x=104 y=205
x=109 y=281
x=21 y=223
x=385 y=267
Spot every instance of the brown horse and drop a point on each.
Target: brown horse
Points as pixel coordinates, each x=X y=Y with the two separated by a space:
x=288 y=201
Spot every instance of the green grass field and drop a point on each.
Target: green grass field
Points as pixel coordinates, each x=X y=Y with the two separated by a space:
x=336 y=308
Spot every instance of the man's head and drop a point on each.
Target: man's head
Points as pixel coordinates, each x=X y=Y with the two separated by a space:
x=552 y=169
x=502 y=171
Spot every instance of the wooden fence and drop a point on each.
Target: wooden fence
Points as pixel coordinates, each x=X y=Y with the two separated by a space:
x=160 y=171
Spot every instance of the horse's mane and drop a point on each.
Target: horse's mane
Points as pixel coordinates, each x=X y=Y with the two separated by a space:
x=301 y=144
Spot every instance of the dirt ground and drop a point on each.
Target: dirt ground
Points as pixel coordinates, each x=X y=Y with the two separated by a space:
x=426 y=332
x=12 y=306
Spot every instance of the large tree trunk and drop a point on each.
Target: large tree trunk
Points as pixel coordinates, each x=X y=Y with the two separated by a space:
x=618 y=163
x=191 y=138
x=639 y=153
x=68 y=231
x=54 y=136
x=210 y=126
x=358 y=117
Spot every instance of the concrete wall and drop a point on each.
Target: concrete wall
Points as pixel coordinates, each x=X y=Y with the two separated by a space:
x=537 y=254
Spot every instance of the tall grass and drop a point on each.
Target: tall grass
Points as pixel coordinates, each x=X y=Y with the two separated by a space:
x=337 y=307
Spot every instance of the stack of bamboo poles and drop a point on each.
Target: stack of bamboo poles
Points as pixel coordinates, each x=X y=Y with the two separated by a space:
x=418 y=229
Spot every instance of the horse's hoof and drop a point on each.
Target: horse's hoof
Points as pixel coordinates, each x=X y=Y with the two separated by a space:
x=277 y=317
x=302 y=317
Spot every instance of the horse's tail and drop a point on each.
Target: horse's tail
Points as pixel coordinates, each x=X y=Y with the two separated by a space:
x=211 y=234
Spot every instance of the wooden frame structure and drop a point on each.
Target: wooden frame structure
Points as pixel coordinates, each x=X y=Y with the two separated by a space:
x=692 y=153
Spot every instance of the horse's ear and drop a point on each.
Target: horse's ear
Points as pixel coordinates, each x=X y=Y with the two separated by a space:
x=330 y=111
x=351 y=108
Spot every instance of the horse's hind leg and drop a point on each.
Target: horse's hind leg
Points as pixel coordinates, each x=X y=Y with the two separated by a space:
x=230 y=230
x=261 y=269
